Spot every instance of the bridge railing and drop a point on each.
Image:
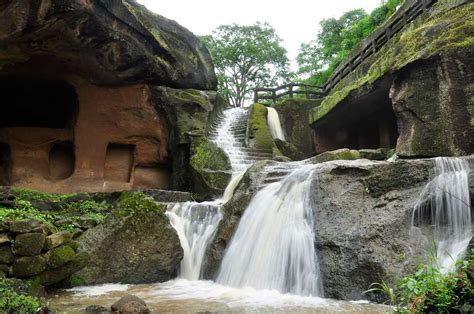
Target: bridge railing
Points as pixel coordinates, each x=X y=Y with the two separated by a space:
x=290 y=90
x=377 y=40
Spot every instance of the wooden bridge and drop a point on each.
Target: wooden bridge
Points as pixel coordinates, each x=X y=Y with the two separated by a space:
x=368 y=47
x=290 y=90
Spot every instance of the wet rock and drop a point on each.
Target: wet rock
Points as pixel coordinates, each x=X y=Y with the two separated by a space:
x=56 y=239
x=130 y=304
x=6 y=254
x=29 y=244
x=28 y=266
x=59 y=256
x=363 y=211
x=136 y=244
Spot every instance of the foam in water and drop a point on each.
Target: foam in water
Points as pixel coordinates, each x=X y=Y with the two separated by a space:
x=274 y=124
x=445 y=204
x=273 y=246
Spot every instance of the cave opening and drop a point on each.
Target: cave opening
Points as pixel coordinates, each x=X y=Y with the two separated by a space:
x=366 y=122
x=31 y=102
x=61 y=160
x=119 y=161
x=4 y=164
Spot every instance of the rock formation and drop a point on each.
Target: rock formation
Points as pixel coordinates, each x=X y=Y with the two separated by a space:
x=87 y=99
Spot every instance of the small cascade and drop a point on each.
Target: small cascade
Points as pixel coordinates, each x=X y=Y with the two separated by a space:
x=445 y=205
x=274 y=124
x=196 y=224
x=273 y=246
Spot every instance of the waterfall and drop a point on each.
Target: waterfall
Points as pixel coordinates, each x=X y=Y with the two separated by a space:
x=196 y=224
x=274 y=124
x=273 y=246
x=444 y=204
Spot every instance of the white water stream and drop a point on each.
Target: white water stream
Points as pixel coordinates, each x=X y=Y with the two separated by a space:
x=445 y=205
x=274 y=124
x=273 y=246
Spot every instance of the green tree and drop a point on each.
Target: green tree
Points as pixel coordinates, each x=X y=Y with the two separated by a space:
x=319 y=58
x=246 y=57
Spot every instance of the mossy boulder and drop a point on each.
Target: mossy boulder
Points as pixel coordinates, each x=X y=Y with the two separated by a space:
x=28 y=266
x=59 y=256
x=57 y=239
x=29 y=244
x=211 y=169
x=339 y=154
x=57 y=275
x=289 y=150
x=258 y=133
x=135 y=244
x=376 y=154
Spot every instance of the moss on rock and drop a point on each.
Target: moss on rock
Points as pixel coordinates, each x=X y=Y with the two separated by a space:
x=59 y=256
x=259 y=135
x=339 y=154
x=207 y=155
x=444 y=28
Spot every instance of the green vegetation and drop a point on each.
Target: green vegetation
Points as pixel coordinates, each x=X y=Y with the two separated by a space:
x=246 y=57
x=259 y=133
x=132 y=203
x=14 y=300
x=70 y=210
x=337 y=38
x=430 y=291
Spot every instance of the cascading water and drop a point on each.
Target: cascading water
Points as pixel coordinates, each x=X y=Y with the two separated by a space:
x=274 y=124
x=445 y=204
x=196 y=223
x=273 y=246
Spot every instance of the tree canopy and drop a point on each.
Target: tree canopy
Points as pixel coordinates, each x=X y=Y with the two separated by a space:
x=246 y=57
x=319 y=58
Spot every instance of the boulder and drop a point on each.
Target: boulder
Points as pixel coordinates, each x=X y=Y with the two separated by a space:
x=128 y=303
x=54 y=276
x=56 y=239
x=29 y=244
x=211 y=169
x=289 y=150
x=24 y=226
x=258 y=133
x=96 y=309
x=136 y=244
x=28 y=266
x=339 y=154
x=6 y=254
x=59 y=256
x=106 y=42
x=4 y=226
x=5 y=270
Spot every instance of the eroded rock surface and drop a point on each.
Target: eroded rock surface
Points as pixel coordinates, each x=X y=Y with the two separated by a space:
x=108 y=42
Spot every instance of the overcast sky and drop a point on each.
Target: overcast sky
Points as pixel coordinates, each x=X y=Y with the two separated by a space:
x=295 y=21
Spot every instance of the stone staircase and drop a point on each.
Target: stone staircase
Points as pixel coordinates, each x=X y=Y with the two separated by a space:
x=229 y=132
